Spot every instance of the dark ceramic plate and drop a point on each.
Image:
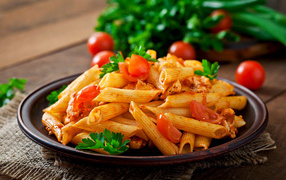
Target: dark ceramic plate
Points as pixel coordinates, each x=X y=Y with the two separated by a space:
x=30 y=113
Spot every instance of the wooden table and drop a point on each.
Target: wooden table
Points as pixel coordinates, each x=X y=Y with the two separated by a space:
x=54 y=46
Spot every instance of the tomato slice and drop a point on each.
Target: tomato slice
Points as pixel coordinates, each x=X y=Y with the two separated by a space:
x=203 y=113
x=88 y=93
x=123 y=67
x=138 y=66
x=167 y=129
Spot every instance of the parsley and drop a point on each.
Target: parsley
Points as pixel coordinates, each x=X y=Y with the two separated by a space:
x=7 y=91
x=53 y=96
x=114 y=60
x=110 y=142
x=142 y=52
x=113 y=65
x=210 y=70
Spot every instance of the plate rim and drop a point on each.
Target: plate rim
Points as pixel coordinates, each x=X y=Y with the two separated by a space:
x=143 y=160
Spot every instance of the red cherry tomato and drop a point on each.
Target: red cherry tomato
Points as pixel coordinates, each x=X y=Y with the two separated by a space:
x=167 y=129
x=88 y=93
x=138 y=66
x=203 y=113
x=250 y=74
x=224 y=24
x=100 y=41
x=102 y=58
x=183 y=50
x=123 y=67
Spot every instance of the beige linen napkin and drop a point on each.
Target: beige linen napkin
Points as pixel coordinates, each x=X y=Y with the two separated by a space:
x=23 y=159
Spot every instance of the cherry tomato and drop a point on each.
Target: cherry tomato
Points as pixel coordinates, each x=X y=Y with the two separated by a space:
x=250 y=74
x=183 y=50
x=100 y=41
x=86 y=94
x=123 y=67
x=102 y=58
x=224 y=24
x=167 y=129
x=138 y=66
x=203 y=113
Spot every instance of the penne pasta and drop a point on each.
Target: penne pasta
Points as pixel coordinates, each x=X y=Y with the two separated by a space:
x=68 y=132
x=108 y=81
x=53 y=125
x=126 y=95
x=163 y=144
x=187 y=143
x=202 y=143
x=178 y=111
x=197 y=127
x=107 y=111
x=234 y=102
x=184 y=99
x=170 y=75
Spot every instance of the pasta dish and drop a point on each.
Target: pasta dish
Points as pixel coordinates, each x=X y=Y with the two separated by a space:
x=164 y=105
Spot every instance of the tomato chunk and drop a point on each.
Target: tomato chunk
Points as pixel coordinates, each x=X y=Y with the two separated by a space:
x=203 y=113
x=138 y=66
x=123 y=67
x=86 y=94
x=167 y=129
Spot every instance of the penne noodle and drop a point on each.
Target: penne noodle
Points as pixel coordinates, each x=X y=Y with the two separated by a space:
x=184 y=99
x=178 y=111
x=170 y=75
x=126 y=96
x=137 y=143
x=154 y=79
x=126 y=121
x=221 y=87
x=197 y=127
x=109 y=81
x=239 y=121
x=196 y=65
x=187 y=143
x=202 y=143
x=53 y=125
x=106 y=112
x=163 y=144
x=176 y=87
x=234 y=102
x=127 y=130
x=68 y=132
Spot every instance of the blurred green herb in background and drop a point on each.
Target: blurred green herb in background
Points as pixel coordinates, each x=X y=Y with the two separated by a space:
x=7 y=91
x=156 y=24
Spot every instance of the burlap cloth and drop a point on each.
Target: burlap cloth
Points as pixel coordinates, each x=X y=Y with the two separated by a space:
x=21 y=158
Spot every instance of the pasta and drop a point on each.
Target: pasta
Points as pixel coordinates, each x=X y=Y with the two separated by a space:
x=135 y=108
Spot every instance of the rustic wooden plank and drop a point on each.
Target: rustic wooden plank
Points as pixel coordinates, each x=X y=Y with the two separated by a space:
x=274 y=168
x=45 y=39
x=39 y=13
x=47 y=29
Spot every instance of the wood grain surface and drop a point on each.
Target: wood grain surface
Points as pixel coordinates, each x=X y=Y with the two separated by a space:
x=42 y=42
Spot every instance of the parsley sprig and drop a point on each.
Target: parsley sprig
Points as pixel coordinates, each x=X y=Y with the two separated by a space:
x=114 y=60
x=7 y=91
x=113 y=65
x=106 y=140
x=142 y=52
x=53 y=96
x=209 y=70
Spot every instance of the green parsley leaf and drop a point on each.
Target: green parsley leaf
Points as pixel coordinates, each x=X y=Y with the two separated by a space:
x=106 y=140
x=53 y=96
x=142 y=52
x=7 y=91
x=209 y=70
x=113 y=65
